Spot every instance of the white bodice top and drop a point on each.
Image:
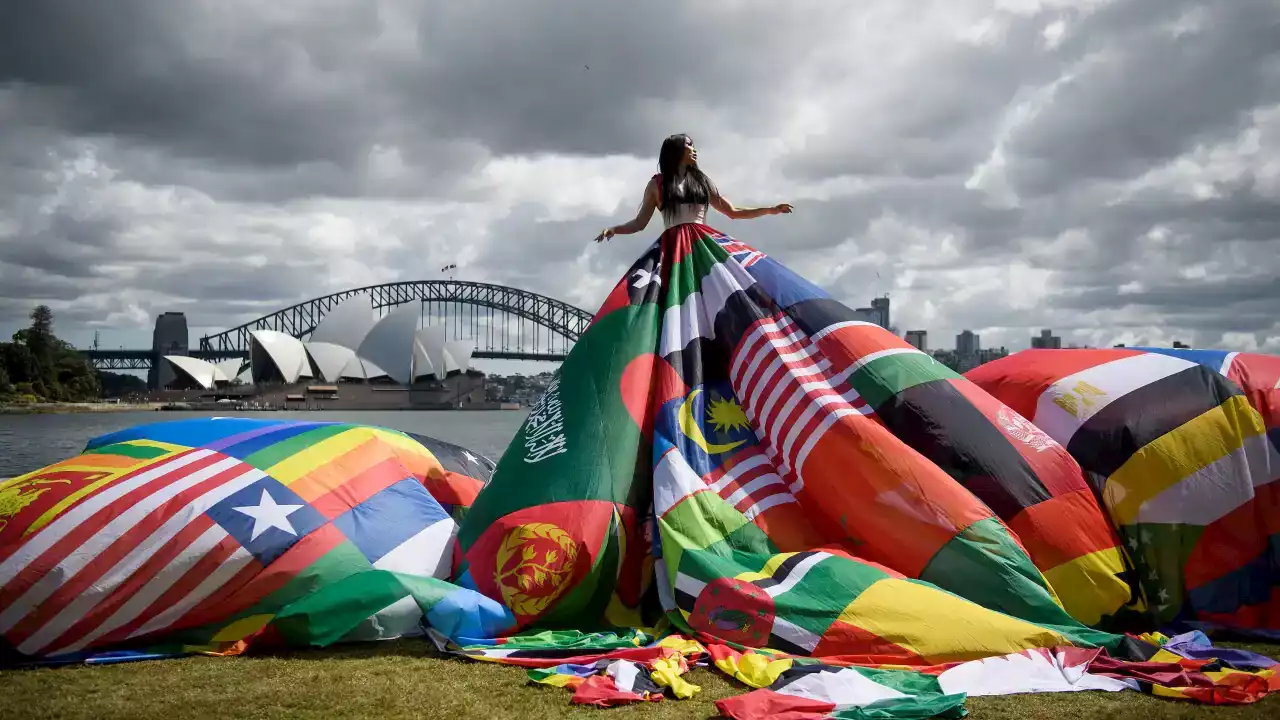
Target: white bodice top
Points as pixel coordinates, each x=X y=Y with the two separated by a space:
x=686 y=213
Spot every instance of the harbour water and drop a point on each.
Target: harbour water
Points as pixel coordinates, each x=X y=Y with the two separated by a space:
x=29 y=442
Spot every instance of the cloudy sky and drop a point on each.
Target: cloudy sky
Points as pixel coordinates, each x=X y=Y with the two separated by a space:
x=1106 y=168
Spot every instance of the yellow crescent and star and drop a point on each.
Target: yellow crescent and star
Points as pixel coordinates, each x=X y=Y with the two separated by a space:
x=725 y=414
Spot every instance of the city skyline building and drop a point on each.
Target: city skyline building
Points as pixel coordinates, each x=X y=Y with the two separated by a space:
x=918 y=339
x=877 y=313
x=1046 y=340
x=169 y=337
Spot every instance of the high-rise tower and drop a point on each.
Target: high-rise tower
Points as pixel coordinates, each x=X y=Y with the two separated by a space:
x=169 y=338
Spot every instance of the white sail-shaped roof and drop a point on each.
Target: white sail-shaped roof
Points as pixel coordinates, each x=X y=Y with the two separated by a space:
x=435 y=356
x=285 y=353
x=330 y=360
x=354 y=369
x=360 y=369
x=422 y=365
x=201 y=372
x=230 y=369
x=347 y=324
x=429 y=341
x=389 y=344
x=372 y=371
x=459 y=351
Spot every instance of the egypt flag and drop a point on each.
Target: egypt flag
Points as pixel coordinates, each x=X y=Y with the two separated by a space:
x=1183 y=449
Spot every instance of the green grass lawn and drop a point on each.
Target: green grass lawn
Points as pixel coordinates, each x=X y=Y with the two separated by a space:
x=409 y=679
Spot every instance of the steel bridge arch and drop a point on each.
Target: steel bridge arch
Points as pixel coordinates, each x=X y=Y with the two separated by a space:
x=301 y=319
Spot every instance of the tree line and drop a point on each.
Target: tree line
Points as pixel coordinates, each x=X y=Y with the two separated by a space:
x=38 y=366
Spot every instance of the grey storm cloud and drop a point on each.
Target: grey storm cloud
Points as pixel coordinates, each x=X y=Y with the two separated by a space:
x=229 y=159
x=512 y=77
x=1128 y=105
x=153 y=71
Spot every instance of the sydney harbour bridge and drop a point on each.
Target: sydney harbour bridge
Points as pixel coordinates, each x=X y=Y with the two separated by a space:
x=503 y=322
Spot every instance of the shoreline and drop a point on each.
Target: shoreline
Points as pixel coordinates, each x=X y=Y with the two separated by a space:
x=71 y=408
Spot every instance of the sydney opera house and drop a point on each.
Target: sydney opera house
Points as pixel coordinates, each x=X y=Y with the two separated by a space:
x=349 y=346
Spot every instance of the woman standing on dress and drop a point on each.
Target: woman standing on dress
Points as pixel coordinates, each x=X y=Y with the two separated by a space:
x=682 y=192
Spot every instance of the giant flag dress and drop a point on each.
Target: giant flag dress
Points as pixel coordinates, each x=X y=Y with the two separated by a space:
x=729 y=446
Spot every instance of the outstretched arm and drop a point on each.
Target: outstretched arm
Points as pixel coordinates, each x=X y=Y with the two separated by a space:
x=640 y=221
x=729 y=210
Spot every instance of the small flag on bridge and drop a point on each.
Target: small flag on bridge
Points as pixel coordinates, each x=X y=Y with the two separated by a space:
x=453 y=266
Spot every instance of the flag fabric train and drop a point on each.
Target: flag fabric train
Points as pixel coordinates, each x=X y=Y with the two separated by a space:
x=1183 y=448
x=214 y=534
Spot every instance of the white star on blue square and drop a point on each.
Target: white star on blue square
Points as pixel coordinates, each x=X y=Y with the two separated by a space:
x=266 y=518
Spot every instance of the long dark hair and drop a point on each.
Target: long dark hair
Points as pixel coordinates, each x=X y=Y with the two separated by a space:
x=697 y=188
